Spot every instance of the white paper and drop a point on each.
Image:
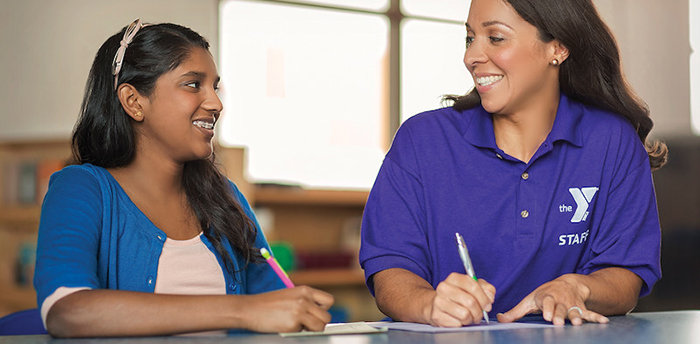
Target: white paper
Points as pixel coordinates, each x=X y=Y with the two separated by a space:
x=483 y=326
x=339 y=328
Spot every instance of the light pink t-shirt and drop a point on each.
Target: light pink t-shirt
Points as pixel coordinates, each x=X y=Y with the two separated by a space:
x=188 y=267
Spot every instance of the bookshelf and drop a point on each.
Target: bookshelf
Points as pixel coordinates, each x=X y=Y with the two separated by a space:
x=316 y=223
x=322 y=226
x=24 y=171
x=329 y=277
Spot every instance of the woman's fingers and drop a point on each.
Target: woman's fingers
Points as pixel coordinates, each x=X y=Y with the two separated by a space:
x=480 y=291
x=526 y=306
x=446 y=313
x=594 y=317
x=558 y=301
x=559 y=313
x=461 y=301
x=556 y=304
x=490 y=292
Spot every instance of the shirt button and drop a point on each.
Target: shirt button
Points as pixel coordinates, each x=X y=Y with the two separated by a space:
x=234 y=287
x=525 y=176
x=524 y=214
x=499 y=156
x=150 y=280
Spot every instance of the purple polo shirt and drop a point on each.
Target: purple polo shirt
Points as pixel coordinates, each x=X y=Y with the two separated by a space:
x=584 y=202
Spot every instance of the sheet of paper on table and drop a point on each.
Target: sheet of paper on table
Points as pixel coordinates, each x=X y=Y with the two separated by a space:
x=340 y=328
x=483 y=326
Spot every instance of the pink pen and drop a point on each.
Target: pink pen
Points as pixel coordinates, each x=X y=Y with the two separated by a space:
x=276 y=266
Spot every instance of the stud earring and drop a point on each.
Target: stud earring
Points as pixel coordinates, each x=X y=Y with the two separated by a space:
x=555 y=62
x=138 y=114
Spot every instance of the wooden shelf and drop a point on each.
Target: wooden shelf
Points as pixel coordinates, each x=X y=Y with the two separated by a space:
x=19 y=222
x=12 y=213
x=42 y=149
x=289 y=195
x=328 y=277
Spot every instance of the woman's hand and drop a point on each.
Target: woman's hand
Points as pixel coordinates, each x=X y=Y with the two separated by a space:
x=460 y=300
x=558 y=300
x=287 y=310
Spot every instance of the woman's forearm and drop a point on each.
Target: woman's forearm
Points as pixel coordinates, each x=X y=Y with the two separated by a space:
x=613 y=291
x=403 y=295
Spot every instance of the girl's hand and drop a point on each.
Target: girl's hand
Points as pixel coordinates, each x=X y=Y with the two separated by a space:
x=287 y=310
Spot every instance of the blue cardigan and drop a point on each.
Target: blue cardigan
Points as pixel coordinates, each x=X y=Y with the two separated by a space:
x=92 y=235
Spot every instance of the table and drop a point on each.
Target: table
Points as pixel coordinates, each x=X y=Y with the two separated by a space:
x=638 y=328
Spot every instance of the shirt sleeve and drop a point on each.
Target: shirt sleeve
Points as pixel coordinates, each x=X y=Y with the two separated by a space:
x=60 y=293
x=630 y=234
x=260 y=276
x=393 y=231
x=68 y=238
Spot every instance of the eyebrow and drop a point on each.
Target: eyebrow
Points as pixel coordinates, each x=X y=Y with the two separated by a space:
x=195 y=74
x=200 y=75
x=490 y=23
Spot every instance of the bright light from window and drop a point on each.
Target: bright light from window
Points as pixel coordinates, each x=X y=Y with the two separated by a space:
x=432 y=65
x=305 y=91
x=442 y=9
x=694 y=12
x=372 y=5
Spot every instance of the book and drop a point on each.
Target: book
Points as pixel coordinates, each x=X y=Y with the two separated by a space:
x=26 y=182
x=44 y=170
x=10 y=174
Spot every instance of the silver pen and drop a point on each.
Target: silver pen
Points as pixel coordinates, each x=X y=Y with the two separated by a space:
x=464 y=255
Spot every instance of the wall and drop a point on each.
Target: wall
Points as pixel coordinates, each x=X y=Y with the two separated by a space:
x=654 y=42
x=48 y=47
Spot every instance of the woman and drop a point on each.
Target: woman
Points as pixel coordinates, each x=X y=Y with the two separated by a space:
x=145 y=236
x=542 y=168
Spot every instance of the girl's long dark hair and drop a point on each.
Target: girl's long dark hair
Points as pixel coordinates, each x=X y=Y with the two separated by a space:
x=592 y=72
x=103 y=135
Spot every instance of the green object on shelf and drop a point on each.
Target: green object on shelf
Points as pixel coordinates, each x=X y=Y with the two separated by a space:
x=284 y=253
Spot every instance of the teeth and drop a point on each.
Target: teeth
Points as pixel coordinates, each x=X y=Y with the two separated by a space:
x=203 y=124
x=488 y=80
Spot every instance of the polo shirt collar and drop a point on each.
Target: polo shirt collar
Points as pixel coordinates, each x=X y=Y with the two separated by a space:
x=567 y=124
x=479 y=131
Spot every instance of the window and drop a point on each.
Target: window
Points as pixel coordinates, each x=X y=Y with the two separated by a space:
x=432 y=55
x=694 y=12
x=309 y=86
x=454 y=10
x=372 y=5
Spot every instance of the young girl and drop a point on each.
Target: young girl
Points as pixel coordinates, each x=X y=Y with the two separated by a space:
x=144 y=236
x=543 y=170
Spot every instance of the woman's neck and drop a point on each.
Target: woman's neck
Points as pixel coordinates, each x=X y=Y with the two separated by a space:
x=520 y=134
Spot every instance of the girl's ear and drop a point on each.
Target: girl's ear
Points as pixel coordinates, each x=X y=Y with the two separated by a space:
x=131 y=100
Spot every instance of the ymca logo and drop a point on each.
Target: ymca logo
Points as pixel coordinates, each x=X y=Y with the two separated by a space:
x=583 y=198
